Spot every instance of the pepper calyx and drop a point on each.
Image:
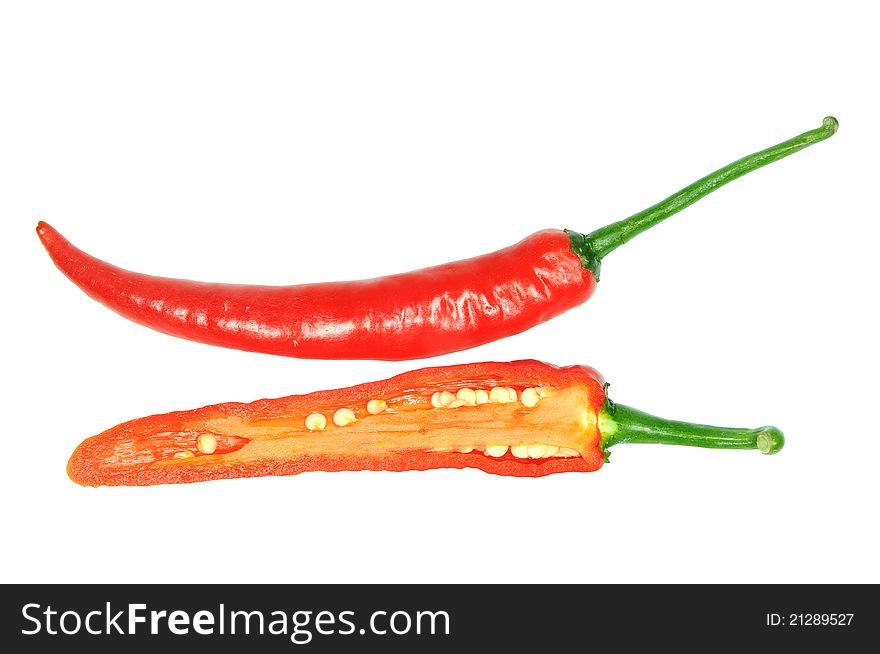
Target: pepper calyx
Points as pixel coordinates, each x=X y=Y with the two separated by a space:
x=582 y=247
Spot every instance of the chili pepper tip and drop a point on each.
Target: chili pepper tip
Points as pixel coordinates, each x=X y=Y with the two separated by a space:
x=770 y=439
x=46 y=233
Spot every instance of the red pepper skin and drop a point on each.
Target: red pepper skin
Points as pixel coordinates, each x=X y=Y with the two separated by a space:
x=419 y=314
x=86 y=475
x=137 y=453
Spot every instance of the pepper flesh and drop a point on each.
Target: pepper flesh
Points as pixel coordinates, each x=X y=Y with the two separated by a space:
x=557 y=423
x=414 y=315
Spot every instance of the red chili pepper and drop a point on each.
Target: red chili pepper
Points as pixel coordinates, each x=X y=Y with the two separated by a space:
x=524 y=418
x=409 y=316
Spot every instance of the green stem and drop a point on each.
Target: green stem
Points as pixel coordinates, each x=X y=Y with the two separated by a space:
x=594 y=246
x=622 y=424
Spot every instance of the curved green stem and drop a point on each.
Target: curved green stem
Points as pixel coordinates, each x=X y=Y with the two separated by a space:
x=622 y=424
x=594 y=246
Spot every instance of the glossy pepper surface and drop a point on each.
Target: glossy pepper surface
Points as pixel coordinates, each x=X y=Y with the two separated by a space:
x=523 y=418
x=419 y=314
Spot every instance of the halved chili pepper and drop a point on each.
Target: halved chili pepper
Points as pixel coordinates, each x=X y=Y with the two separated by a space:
x=524 y=418
x=409 y=316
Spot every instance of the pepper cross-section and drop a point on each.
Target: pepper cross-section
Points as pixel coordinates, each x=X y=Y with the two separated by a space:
x=524 y=418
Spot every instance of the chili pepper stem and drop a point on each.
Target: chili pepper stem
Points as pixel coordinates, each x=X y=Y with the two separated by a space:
x=592 y=247
x=622 y=424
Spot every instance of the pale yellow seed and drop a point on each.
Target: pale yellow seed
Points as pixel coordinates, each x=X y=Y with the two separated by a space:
x=530 y=397
x=511 y=393
x=465 y=450
x=551 y=451
x=343 y=417
x=206 y=443
x=499 y=394
x=375 y=407
x=435 y=400
x=468 y=395
x=186 y=454
x=496 y=450
x=316 y=422
x=567 y=451
x=520 y=451
x=446 y=398
x=536 y=451
x=482 y=396
x=542 y=392
x=456 y=403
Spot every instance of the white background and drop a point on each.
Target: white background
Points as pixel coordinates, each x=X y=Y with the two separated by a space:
x=291 y=142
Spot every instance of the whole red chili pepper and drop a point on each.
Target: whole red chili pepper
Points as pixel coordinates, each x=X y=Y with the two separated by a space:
x=409 y=316
x=524 y=418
